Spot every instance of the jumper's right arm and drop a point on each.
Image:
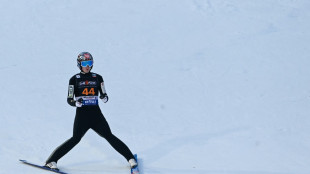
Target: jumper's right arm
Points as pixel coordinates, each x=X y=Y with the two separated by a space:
x=70 y=98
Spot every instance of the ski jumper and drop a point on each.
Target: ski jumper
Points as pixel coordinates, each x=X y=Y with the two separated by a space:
x=87 y=86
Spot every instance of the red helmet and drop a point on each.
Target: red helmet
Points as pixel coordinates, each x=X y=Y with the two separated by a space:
x=84 y=56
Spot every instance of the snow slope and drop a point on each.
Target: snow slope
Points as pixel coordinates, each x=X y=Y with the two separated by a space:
x=195 y=86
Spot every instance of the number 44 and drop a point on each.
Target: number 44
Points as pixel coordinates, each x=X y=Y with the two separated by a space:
x=87 y=92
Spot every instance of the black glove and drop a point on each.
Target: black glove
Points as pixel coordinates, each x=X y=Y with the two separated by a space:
x=104 y=97
x=79 y=102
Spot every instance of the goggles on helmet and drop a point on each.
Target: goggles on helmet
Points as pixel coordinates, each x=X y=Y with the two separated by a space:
x=87 y=63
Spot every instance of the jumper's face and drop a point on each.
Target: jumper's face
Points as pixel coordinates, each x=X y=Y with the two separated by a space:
x=86 y=66
x=86 y=69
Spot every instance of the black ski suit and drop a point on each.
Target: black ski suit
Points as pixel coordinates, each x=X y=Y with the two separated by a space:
x=88 y=86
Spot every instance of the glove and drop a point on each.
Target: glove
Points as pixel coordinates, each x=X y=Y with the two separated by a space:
x=79 y=103
x=104 y=98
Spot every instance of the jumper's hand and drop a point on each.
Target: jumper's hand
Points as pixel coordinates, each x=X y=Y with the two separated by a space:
x=79 y=103
x=104 y=98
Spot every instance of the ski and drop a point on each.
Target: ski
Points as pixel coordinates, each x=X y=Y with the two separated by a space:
x=41 y=167
x=135 y=170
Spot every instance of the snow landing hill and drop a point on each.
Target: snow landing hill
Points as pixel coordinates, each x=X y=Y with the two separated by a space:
x=195 y=86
